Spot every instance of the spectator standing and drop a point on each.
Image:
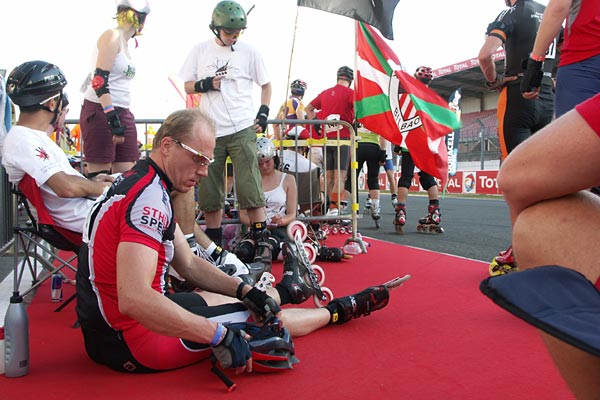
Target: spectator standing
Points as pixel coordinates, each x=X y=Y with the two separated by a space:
x=110 y=142
x=225 y=71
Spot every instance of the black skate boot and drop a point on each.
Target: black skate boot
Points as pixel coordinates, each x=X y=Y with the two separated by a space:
x=360 y=304
x=263 y=248
x=400 y=218
x=431 y=222
x=295 y=275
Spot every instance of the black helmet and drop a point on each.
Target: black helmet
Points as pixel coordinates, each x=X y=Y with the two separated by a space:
x=35 y=82
x=424 y=74
x=271 y=345
x=345 y=73
x=228 y=14
x=298 y=87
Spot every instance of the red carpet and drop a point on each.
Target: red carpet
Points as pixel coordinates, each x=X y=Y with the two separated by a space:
x=438 y=338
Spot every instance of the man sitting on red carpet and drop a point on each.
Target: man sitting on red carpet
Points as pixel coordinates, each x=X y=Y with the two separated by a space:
x=127 y=319
x=555 y=222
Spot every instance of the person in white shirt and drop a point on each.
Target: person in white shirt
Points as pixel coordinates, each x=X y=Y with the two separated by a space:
x=36 y=87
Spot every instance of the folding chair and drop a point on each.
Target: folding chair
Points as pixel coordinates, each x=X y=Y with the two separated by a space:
x=40 y=238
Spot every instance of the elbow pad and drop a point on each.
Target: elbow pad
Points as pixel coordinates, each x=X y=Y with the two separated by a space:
x=100 y=82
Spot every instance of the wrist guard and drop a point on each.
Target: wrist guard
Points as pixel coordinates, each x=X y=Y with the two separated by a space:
x=233 y=351
x=496 y=84
x=204 y=85
x=532 y=77
x=261 y=117
x=260 y=303
x=114 y=123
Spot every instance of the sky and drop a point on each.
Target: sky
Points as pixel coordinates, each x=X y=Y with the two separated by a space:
x=296 y=42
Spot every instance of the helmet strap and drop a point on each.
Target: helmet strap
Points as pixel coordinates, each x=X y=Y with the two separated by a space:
x=56 y=110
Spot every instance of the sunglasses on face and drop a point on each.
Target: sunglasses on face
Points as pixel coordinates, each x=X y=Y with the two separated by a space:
x=200 y=158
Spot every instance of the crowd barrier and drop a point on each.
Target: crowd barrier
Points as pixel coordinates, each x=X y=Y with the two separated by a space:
x=293 y=146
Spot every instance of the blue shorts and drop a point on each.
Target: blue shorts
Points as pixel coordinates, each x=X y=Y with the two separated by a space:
x=389 y=165
x=576 y=83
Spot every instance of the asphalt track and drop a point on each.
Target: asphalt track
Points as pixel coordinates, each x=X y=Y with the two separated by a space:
x=476 y=228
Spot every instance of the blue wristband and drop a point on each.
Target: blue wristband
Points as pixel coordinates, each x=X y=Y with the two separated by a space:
x=219 y=333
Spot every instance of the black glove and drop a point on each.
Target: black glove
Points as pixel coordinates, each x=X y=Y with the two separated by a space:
x=233 y=351
x=204 y=85
x=496 y=84
x=532 y=77
x=382 y=156
x=260 y=303
x=114 y=123
x=261 y=117
x=317 y=129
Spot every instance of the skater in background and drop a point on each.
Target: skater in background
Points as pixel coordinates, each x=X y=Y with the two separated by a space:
x=572 y=141
x=369 y=152
x=108 y=127
x=292 y=109
x=518 y=118
x=431 y=221
x=336 y=102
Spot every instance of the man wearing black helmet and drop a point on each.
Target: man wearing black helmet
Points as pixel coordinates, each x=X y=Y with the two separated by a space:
x=515 y=29
x=31 y=157
x=225 y=70
x=336 y=102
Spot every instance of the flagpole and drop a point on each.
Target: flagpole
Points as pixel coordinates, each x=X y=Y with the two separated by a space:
x=353 y=163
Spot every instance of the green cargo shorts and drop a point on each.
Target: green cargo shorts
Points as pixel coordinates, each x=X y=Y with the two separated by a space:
x=241 y=147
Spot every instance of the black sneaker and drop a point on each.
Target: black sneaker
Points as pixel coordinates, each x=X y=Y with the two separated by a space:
x=360 y=304
x=295 y=278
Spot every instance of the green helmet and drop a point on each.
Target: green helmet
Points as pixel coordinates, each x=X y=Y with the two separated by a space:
x=228 y=14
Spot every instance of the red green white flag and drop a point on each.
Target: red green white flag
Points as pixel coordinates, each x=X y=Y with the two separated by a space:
x=400 y=108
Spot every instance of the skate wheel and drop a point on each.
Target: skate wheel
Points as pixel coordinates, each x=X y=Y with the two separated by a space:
x=320 y=272
x=334 y=230
x=328 y=297
x=297 y=227
x=311 y=252
x=343 y=230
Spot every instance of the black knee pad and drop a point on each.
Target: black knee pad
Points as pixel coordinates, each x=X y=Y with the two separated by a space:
x=426 y=180
x=404 y=181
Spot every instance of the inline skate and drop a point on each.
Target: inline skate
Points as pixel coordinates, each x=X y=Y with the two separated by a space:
x=376 y=215
x=363 y=303
x=430 y=223
x=503 y=263
x=400 y=218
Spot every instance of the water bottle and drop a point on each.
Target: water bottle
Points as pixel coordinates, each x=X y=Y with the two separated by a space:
x=1 y=350
x=16 y=342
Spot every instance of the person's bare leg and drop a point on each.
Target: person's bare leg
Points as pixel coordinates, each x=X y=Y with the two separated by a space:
x=97 y=167
x=122 y=166
x=302 y=321
x=564 y=232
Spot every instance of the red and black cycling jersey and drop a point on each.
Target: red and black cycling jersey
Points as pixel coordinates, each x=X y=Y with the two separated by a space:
x=517 y=28
x=138 y=209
